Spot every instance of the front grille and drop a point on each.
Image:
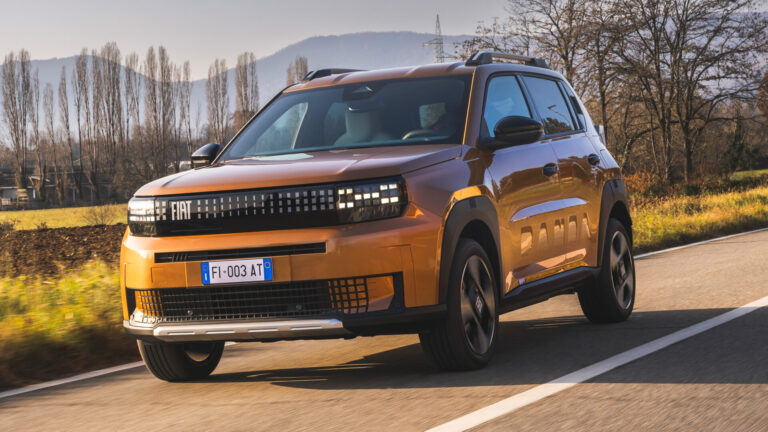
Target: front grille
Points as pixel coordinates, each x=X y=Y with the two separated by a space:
x=291 y=207
x=223 y=254
x=280 y=300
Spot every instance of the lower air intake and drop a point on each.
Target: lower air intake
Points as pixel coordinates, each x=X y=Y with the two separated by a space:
x=279 y=300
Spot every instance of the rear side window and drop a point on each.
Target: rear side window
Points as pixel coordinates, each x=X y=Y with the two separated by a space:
x=551 y=105
x=504 y=98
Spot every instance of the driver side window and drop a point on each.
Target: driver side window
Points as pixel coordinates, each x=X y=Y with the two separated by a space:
x=504 y=98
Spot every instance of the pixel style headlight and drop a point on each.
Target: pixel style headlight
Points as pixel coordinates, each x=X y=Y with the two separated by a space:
x=142 y=216
x=382 y=199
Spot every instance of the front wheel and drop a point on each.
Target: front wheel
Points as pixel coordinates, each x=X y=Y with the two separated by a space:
x=467 y=337
x=181 y=361
x=611 y=297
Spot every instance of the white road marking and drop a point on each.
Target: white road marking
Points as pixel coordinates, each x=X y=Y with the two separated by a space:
x=81 y=377
x=114 y=369
x=685 y=246
x=542 y=391
x=71 y=379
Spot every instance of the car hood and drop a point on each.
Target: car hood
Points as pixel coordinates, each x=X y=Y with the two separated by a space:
x=303 y=168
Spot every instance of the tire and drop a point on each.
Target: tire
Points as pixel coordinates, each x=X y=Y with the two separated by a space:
x=611 y=297
x=181 y=361
x=466 y=338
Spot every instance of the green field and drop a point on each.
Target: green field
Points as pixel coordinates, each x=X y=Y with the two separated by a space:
x=65 y=217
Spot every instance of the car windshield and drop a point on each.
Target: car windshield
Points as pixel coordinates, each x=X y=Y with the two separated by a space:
x=376 y=113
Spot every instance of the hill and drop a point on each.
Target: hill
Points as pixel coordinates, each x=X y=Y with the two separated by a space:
x=372 y=50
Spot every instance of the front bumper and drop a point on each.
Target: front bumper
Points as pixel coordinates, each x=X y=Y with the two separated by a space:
x=367 y=278
x=410 y=320
x=240 y=331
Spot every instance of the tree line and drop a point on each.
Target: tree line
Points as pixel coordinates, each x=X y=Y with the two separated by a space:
x=679 y=85
x=113 y=123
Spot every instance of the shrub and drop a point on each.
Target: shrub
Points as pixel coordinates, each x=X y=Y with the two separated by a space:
x=8 y=225
x=100 y=215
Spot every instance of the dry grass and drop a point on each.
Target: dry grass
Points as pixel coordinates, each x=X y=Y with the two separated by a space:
x=664 y=222
x=53 y=327
x=65 y=217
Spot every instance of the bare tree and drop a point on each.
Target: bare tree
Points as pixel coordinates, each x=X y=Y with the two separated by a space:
x=132 y=88
x=247 y=89
x=499 y=35
x=687 y=58
x=184 y=100
x=297 y=70
x=110 y=109
x=599 y=58
x=551 y=29
x=64 y=118
x=167 y=97
x=82 y=91
x=17 y=95
x=217 y=94
x=38 y=144
x=58 y=176
x=154 y=143
x=762 y=95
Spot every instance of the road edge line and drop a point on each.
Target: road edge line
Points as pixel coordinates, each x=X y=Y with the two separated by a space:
x=62 y=381
x=685 y=246
x=539 y=392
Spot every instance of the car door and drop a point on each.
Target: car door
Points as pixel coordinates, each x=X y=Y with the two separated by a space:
x=526 y=182
x=578 y=209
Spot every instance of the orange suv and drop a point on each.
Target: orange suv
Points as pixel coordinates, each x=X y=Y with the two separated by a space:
x=425 y=200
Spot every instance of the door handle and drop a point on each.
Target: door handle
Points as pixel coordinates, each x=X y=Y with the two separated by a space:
x=550 y=169
x=593 y=159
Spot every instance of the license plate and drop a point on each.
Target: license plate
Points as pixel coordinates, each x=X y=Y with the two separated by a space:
x=222 y=272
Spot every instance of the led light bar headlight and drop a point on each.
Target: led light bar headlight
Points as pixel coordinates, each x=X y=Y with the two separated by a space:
x=364 y=201
x=293 y=207
x=142 y=216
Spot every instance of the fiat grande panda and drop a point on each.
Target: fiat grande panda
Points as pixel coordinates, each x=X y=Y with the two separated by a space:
x=425 y=200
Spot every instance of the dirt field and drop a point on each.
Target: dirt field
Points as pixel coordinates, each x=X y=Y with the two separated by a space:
x=55 y=250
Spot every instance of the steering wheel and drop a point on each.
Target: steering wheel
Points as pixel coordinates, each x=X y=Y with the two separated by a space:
x=420 y=133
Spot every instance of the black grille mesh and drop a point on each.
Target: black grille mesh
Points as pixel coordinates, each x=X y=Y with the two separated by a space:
x=282 y=300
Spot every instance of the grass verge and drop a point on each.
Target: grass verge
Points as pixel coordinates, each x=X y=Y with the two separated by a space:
x=677 y=220
x=55 y=327
x=65 y=217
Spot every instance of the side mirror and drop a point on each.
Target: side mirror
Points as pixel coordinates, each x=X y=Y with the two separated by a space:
x=514 y=130
x=203 y=156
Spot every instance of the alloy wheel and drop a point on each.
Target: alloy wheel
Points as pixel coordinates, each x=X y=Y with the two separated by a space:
x=622 y=270
x=478 y=305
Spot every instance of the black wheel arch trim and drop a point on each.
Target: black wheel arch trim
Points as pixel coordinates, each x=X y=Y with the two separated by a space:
x=463 y=213
x=614 y=193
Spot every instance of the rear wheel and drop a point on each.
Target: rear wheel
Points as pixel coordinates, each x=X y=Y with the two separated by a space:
x=466 y=339
x=181 y=361
x=611 y=297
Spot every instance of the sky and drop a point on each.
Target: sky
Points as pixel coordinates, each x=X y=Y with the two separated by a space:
x=201 y=31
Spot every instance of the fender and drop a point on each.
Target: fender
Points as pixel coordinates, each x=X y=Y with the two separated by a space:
x=462 y=213
x=614 y=192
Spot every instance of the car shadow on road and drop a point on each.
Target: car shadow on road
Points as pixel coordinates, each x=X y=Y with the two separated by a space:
x=536 y=351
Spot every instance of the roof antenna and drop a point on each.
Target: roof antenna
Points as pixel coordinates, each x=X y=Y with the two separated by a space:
x=437 y=42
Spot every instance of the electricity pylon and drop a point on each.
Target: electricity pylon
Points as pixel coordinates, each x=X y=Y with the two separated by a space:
x=437 y=42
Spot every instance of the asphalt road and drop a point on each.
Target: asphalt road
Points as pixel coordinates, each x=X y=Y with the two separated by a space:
x=717 y=380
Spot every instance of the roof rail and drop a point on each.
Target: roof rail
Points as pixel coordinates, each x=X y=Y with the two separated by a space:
x=486 y=57
x=327 y=72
